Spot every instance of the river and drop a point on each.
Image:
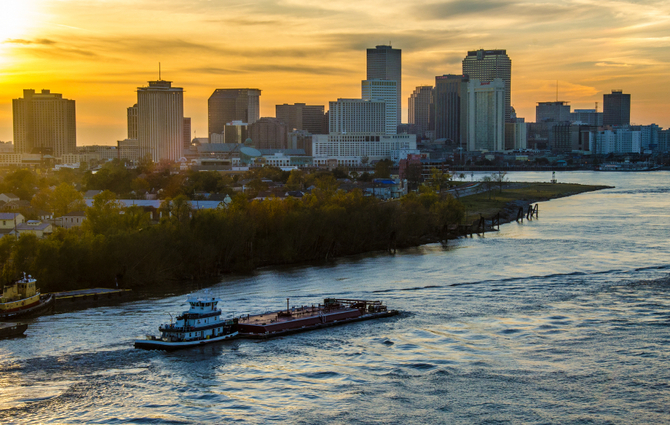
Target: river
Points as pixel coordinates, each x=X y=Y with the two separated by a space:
x=562 y=319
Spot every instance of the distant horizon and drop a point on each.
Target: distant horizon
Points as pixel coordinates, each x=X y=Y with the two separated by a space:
x=314 y=53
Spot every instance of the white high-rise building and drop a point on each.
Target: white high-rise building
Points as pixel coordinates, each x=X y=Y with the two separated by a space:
x=347 y=116
x=486 y=115
x=160 y=120
x=387 y=91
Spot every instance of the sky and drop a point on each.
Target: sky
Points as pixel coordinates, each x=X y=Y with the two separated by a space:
x=98 y=52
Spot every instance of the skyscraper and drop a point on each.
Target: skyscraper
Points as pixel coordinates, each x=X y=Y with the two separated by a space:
x=160 y=120
x=448 y=102
x=44 y=120
x=227 y=105
x=357 y=116
x=387 y=91
x=486 y=115
x=486 y=65
x=302 y=117
x=418 y=106
x=385 y=63
x=187 y=133
x=558 y=111
x=616 y=108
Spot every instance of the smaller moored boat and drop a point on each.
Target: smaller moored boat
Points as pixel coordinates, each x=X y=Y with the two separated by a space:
x=11 y=330
x=201 y=324
x=22 y=298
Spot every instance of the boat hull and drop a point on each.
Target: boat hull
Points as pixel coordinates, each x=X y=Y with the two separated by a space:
x=299 y=327
x=12 y=330
x=157 y=344
x=45 y=303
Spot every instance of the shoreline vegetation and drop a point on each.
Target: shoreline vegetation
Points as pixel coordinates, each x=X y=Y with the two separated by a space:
x=119 y=246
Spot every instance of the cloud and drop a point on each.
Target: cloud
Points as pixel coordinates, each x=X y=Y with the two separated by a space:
x=41 y=41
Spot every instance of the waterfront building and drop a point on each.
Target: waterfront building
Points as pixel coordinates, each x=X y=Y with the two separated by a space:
x=485 y=106
x=44 y=121
x=486 y=66
x=449 y=98
x=269 y=133
x=419 y=109
x=355 y=149
x=132 y=121
x=387 y=91
x=160 y=120
x=385 y=63
x=227 y=105
x=617 y=140
x=300 y=116
x=649 y=137
x=616 y=109
x=357 y=116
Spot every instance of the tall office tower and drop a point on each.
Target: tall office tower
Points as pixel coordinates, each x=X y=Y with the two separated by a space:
x=44 y=120
x=132 y=122
x=302 y=117
x=357 y=116
x=552 y=112
x=269 y=133
x=227 y=105
x=448 y=102
x=486 y=65
x=387 y=91
x=418 y=105
x=160 y=120
x=485 y=107
x=187 y=133
x=616 y=108
x=385 y=63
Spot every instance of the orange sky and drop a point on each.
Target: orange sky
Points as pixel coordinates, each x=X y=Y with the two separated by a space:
x=98 y=52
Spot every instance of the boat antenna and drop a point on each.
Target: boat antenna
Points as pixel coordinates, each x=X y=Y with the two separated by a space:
x=171 y=318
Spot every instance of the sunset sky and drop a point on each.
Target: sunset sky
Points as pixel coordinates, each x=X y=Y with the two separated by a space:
x=98 y=52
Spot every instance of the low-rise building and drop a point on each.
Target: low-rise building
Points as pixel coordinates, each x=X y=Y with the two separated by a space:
x=35 y=227
x=71 y=219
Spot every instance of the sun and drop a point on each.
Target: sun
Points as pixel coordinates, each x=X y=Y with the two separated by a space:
x=15 y=19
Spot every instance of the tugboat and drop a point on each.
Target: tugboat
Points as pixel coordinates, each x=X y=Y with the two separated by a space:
x=201 y=324
x=22 y=298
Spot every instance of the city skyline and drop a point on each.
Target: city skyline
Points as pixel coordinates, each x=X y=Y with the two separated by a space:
x=317 y=53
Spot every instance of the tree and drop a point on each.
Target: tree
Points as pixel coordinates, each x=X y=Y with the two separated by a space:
x=65 y=199
x=413 y=174
x=383 y=169
x=488 y=183
x=104 y=215
x=500 y=178
x=295 y=180
x=21 y=183
x=438 y=179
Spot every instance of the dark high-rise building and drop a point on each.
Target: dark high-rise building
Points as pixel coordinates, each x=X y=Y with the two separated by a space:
x=302 y=117
x=616 y=108
x=228 y=105
x=187 y=133
x=449 y=95
x=132 y=122
x=552 y=112
x=44 y=121
x=418 y=107
x=385 y=63
x=485 y=66
x=160 y=121
x=269 y=133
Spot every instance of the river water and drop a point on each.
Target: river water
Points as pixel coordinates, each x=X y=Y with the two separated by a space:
x=562 y=319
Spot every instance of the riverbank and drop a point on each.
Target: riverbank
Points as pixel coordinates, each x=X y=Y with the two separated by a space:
x=518 y=194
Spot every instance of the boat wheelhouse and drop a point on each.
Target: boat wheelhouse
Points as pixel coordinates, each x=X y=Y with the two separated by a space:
x=200 y=324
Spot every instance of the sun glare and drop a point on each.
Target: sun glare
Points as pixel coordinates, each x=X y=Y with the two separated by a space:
x=15 y=19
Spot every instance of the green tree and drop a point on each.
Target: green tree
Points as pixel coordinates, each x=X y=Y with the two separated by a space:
x=295 y=180
x=438 y=179
x=104 y=216
x=65 y=199
x=499 y=178
x=383 y=169
x=22 y=183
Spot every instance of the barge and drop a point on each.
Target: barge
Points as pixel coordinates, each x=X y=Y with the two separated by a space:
x=332 y=312
x=202 y=323
x=11 y=330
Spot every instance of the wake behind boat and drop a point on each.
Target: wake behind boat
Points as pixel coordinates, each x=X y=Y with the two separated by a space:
x=201 y=324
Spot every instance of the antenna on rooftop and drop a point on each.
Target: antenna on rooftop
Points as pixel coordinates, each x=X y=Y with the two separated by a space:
x=556 y=90
x=596 y=106
x=159 y=71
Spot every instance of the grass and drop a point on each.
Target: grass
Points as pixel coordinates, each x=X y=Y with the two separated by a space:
x=529 y=192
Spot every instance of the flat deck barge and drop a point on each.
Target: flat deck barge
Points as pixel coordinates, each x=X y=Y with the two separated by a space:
x=90 y=296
